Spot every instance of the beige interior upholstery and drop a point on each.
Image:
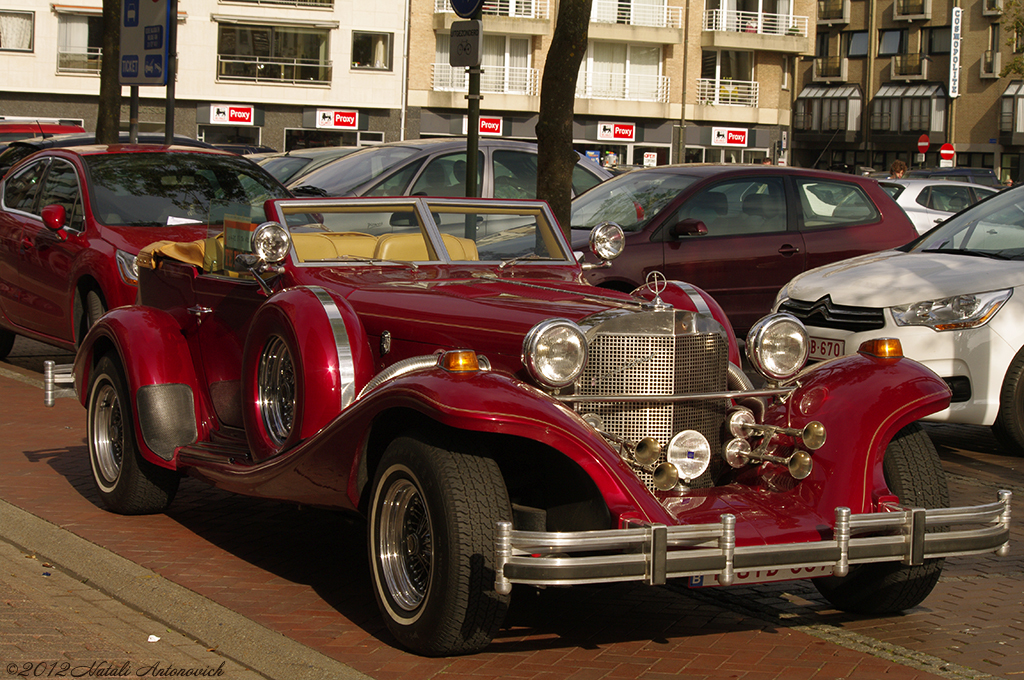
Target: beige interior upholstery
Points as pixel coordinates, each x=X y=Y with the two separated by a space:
x=401 y=247
x=460 y=249
x=329 y=246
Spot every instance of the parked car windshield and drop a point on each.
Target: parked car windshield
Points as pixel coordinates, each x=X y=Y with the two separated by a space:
x=157 y=189
x=629 y=200
x=993 y=229
x=343 y=175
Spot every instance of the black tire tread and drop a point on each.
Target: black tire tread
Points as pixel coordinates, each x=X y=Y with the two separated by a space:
x=6 y=343
x=914 y=473
x=1009 y=425
x=141 y=487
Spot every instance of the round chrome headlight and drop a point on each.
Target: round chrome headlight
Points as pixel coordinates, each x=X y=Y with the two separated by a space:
x=554 y=352
x=607 y=241
x=271 y=242
x=777 y=346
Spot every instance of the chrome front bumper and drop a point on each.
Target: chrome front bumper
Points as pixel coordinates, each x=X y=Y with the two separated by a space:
x=654 y=553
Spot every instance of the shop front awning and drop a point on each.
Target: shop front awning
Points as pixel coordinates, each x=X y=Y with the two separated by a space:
x=1014 y=89
x=834 y=92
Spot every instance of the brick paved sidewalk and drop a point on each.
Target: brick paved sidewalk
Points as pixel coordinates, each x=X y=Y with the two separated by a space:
x=303 y=574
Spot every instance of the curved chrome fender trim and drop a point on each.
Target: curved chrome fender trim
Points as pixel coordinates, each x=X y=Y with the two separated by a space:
x=695 y=297
x=346 y=364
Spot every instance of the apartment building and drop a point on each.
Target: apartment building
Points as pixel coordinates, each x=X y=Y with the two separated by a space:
x=283 y=73
x=883 y=76
x=662 y=81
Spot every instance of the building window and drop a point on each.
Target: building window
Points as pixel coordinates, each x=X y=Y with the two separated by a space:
x=891 y=42
x=857 y=44
x=506 y=65
x=371 y=50
x=940 y=40
x=621 y=71
x=16 y=31
x=286 y=54
x=917 y=112
x=79 y=43
x=885 y=116
x=833 y=114
x=787 y=66
x=821 y=44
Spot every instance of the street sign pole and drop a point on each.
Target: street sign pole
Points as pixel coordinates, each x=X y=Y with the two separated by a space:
x=172 y=69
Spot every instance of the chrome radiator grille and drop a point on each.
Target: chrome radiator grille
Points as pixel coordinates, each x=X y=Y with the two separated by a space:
x=664 y=364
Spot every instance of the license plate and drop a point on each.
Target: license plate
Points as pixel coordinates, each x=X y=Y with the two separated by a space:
x=765 y=576
x=823 y=348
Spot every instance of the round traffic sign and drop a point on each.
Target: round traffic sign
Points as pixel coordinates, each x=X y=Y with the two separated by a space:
x=466 y=8
x=922 y=143
x=946 y=152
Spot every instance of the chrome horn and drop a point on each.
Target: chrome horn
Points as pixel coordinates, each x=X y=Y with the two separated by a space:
x=741 y=422
x=738 y=453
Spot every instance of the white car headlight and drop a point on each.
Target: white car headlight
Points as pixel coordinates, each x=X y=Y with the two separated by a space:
x=954 y=313
x=554 y=352
x=777 y=346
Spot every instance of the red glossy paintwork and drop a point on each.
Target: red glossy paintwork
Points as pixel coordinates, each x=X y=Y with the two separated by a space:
x=44 y=273
x=432 y=308
x=744 y=271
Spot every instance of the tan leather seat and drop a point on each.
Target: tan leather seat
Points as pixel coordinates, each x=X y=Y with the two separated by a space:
x=353 y=243
x=402 y=248
x=314 y=247
x=460 y=249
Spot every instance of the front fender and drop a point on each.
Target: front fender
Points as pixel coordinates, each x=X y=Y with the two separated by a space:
x=863 y=402
x=149 y=346
x=498 y=403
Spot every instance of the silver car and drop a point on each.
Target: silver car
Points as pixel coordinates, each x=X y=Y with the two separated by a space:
x=930 y=201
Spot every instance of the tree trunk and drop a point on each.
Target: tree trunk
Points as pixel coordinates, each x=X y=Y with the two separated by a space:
x=555 y=156
x=108 y=113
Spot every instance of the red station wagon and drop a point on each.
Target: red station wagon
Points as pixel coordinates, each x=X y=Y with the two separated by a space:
x=440 y=367
x=739 y=232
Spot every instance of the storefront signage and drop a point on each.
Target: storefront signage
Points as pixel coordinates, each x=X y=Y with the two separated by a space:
x=954 y=53
x=232 y=114
x=616 y=132
x=728 y=136
x=333 y=119
x=491 y=125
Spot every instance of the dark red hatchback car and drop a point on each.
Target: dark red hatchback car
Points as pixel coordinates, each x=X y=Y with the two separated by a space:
x=73 y=219
x=739 y=232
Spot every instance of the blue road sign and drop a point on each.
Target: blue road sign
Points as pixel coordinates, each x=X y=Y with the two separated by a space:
x=144 y=48
x=466 y=8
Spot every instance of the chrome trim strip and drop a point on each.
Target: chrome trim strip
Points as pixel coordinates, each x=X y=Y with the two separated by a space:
x=642 y=553
x=668 y=398
x=397 y=369
x=343 y=345
x=695 y=297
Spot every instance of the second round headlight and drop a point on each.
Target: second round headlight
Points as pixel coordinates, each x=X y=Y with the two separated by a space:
x=271 y=242
x=554 y=352
x=777 y=346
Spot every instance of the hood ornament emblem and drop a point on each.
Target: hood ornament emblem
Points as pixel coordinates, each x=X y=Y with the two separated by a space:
x=657 y=283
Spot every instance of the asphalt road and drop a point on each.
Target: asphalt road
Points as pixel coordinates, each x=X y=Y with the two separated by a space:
x=282 y=592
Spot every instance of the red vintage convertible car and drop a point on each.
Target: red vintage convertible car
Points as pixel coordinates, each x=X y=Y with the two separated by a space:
x=440 y=366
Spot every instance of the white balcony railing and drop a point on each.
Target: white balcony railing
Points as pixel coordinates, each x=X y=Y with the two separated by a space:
x=634 y=88
x=493 y=79
x=726 y=92
x=85 y=61
x=635 y=14
x=273 y=70
x=755 y=22
x=520 y=9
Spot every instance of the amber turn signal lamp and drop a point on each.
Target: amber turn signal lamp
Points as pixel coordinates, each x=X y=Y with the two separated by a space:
x=883 y=348
x=460 y=361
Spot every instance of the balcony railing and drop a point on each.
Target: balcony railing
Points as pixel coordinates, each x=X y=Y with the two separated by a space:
x=493 y=79
x=726 y=92
x=834 y=121
x=635 y=14
x=327 y=4
x=881 y=121
x=755 y=22
x=520 y=9
x=990 y=7
x=909 y=66
x=82 y=62
x=833 y=10
x=830 y=68
x=1006 y=121
x=273 y=70
x=991 y=64
x=631 y=87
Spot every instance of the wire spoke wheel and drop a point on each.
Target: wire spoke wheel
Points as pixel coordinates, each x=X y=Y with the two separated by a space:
x=276 y=390
x=406 y=545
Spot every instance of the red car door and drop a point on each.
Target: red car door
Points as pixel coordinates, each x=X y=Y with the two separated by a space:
x=45 y=256
x=749 y=252
x=19 y=219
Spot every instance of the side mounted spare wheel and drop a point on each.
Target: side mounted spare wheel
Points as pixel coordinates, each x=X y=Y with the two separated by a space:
x=272 y=383
x=433 y=517
x=914 y=473
x=127 y=483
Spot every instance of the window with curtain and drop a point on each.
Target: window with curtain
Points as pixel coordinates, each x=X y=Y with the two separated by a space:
x=371 y=50
x=620 y=71
x=16 y=31
x=79 y=43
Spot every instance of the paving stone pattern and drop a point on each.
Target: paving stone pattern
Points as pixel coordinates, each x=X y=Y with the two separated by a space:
x=304 y=573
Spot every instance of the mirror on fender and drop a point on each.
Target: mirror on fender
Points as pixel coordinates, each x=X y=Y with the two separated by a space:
x=689 y=227
x=54 y=217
